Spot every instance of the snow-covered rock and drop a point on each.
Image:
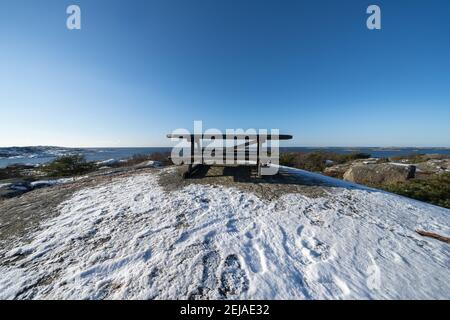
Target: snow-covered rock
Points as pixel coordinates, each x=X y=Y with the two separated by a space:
x=148 y=164
x=130 y=239
x=109 y=162
x=4 y=185
x=49 y=183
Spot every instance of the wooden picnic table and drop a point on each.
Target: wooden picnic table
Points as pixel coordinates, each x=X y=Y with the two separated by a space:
x=257 y=139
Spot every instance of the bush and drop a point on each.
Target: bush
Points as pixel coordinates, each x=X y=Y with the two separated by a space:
x=316 y=161
x=163 y=158
x=66 y=166
x=14 y=171
x=411 y=158
x=435 y=190
x=343 y=158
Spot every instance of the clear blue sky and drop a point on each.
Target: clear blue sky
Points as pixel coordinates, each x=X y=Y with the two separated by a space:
x=139 y=69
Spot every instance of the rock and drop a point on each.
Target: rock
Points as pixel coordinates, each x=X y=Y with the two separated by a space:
x=383 y=173
x=437 y=156
x=108 y=162
x=148 y=164
x=186 y=172
x=14 y=189
x=434 y=166
x=45 y=183
x=337 y=171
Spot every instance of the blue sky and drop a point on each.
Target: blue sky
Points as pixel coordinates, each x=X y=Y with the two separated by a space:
x=139 y=69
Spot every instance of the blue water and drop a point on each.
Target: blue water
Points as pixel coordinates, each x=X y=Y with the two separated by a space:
x=91 y=154
x=100 y=154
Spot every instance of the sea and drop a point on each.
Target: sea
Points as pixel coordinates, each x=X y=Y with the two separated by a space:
x=40 y=155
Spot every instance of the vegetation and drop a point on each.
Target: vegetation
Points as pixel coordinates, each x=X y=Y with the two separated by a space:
x=67 y=166
x=317 y=161
x=435 y=190
x=411 y=158
x=11 y=172
x=418 y=158
x=163 y=158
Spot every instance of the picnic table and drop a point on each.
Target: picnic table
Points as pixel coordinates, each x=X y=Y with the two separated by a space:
x=247 y=141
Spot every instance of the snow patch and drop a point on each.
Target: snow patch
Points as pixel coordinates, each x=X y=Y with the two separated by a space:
x=108 y=162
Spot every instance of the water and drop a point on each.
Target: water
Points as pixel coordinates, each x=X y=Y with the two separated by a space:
x=34 y=157
x=91 y=154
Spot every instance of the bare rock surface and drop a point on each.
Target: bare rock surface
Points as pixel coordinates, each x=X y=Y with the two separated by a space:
x=383 y=173
x=244 y=178
x=224 y=234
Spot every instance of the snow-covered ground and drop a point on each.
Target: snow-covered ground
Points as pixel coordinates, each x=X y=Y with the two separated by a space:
x=130 y=239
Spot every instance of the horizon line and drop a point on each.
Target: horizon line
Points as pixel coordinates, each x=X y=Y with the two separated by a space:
x=161 y=147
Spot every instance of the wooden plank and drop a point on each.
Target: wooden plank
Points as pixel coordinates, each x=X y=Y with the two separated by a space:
x=433 y=235
x=226 y=137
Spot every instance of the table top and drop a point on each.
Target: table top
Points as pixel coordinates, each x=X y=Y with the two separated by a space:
x=231 y=136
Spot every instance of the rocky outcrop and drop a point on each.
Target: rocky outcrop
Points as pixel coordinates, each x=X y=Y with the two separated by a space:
x=436 y=166
x=337 y=171
x=383 y=173
x=14 y=189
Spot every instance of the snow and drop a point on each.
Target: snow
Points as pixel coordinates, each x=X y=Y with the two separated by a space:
x=18 y=187
x=148 y=164
x=108 y=162
x=48 y=183
x=406 y=165
x=130 y=239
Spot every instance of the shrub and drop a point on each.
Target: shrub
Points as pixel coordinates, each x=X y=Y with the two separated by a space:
x=70 y=165
x=435 y=190
x=163 y=158
x=288 y=159
x=316 y=161
x=342 y=158
x=411 y=158
x=16 y=171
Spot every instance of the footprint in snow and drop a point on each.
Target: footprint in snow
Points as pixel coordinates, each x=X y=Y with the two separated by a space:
x=208 y=282
x=255 y=257
x=233 y=280
x=311 y=247
x=232 y=225
x=253 y=231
